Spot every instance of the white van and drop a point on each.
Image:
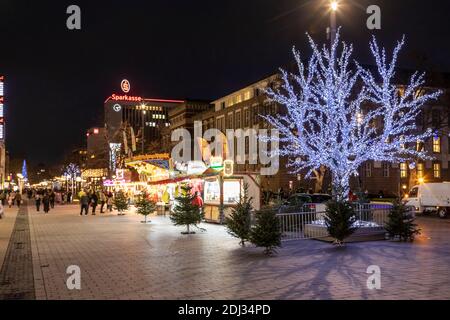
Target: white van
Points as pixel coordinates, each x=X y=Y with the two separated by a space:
x=430 y=197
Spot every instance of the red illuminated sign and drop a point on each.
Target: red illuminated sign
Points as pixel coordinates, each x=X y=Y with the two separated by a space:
x=126 y=98
x=125 y=85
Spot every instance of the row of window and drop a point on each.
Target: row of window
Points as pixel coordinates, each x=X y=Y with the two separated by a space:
x=245 y=118
x=437 y=170
x=241 y=97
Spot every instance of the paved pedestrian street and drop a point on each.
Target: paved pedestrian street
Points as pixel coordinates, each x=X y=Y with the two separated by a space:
x=121 y=258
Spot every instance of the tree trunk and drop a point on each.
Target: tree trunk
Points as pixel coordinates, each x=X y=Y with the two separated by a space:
x=320 y=176
x=341 y=186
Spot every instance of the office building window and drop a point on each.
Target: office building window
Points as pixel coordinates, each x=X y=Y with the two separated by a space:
x=403 y=170
x=247 y=95
x=368 y=169
x=437 y=145
x=230 y=124
x=419 y=145
x=385 y=170
x=436 y=119
x=237 y=121
x=420 y=170
x=246 y=117
x=437 y=170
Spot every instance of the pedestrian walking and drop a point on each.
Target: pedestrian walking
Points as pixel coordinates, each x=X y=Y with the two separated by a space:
x=103 y=200
x=52 y=198
x=3 y=198
x=37 y=199
x=69 y=197
x=18 y=199
x=84 y=203
x=11 y=198
x=109 y=202
x=2 y=211
x=94 y=202
x=46 y=202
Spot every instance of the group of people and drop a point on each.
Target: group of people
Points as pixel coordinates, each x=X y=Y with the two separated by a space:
x=11 y=197
x=93 y=199
x=48 y=198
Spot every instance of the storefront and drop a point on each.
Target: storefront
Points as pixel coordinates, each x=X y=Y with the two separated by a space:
x=232 y=192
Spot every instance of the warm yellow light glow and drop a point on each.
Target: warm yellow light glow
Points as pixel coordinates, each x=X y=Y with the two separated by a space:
x=334 y=5
x=421 y=180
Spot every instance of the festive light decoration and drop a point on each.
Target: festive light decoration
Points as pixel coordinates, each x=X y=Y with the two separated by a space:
x=340 y=117
x=72 y=171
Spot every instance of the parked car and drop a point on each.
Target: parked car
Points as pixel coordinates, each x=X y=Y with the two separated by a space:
x=306 y=202
x=430 y=198
x=384 y=197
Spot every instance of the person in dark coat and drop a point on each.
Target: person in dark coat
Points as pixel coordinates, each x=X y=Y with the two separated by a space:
x=94 y=202
x=46 y=202
x=37 y=198
x=52 y=197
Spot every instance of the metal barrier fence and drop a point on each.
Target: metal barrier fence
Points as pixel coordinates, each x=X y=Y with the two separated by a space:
x=310 y=224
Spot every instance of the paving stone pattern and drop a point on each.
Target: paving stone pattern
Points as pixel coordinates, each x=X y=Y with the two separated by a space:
x=16 y=275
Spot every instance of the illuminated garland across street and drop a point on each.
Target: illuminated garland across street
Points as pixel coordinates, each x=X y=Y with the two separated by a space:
x=340 y=117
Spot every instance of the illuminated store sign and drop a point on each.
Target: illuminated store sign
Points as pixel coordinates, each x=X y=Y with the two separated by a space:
x=126 y=98
x=125 y=86
x=2 y=108
x=117 y=107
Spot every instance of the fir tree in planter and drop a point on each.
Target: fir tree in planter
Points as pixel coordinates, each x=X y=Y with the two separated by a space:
x=239 y=221
x=401 y=224
x=121 y=203
x=185 y=213
x=266 y=232
x=340 y=219
x=145 y=206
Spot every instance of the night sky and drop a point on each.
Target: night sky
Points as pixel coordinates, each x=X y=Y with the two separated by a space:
x=57 y=80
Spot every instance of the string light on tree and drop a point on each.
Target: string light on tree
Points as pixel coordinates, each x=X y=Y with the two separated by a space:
x=332 y=128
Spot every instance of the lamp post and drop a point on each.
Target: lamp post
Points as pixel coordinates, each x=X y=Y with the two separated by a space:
x=334 y=6
x=144 y=112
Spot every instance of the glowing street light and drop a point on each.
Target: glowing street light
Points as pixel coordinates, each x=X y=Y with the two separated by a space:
x=334 y=5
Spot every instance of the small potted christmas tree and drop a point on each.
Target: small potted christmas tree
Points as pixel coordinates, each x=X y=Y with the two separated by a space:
x=266 y=233
x=121 y=203
x=145 y=206
x=340 y=219
x=239 y=221
x=400 y=224
x=185 y=213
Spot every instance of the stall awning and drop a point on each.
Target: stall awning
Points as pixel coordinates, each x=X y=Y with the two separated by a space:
x=207 y=173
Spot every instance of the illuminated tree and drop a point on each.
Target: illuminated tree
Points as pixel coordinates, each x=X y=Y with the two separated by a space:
x=340 y=116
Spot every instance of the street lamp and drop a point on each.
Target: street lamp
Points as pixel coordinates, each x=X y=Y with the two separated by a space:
x=144 y=112
x=334 y=6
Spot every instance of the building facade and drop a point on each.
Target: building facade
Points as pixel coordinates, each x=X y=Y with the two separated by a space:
x=3 y=162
